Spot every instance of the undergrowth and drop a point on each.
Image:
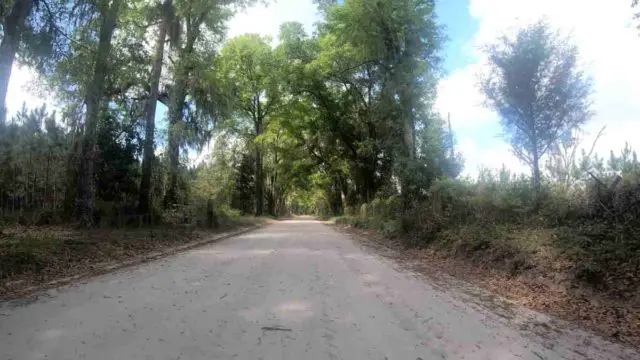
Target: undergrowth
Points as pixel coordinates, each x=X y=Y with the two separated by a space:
x=28 y=252
x=36 y=253
x=498 y=222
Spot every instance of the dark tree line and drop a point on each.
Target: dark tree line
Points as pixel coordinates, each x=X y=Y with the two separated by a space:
x=320 y=122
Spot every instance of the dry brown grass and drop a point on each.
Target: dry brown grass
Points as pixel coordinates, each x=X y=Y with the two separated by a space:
x=522 y=266
x=30 y=256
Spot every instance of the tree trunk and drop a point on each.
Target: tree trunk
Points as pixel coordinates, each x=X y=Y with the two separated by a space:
x=273 y=194
x=144 y=204
x=71 y=176
x=212 y=218
x=259 y=183
x=271 y=202
x=12 y=29
x=338 y=210
x=86 y=184
x=535 y=173
x=171 y=197
x=259 y=176
x=46 y=183
x=409 y=146
x=176 y=107
x=408 y=123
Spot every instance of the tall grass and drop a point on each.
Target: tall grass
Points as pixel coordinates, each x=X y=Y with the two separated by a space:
x=593 y=222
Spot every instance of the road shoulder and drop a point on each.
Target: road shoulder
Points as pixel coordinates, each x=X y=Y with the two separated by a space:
x=29 y=285
x=514 y=299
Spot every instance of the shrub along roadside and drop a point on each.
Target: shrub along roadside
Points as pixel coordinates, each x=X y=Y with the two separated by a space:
x=35 y=255
x=574 y=252
x=542 y=289
x=496 y=222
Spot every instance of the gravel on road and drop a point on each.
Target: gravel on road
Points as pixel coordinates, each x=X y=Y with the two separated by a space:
x=296 y=289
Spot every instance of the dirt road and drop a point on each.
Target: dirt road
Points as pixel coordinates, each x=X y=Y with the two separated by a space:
x=293 y=290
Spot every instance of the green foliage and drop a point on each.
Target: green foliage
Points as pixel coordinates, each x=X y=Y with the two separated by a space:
x=248 y=68
x=537 y=89
x=565 y=168
x=117 y=171
x=27 y=252
x=36 y=149
x=436 y=152
x=33 y=158
x=216 y=178
x=384 y=215
x=243 y=192
x=352 y=74
x=497 y=220
x=337 y=122
x=226 y=211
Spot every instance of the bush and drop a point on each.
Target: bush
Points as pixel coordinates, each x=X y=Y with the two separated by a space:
x=593 y=223
x=226 y=211
x=27 y=252
x=349 y=211
x=175 y=215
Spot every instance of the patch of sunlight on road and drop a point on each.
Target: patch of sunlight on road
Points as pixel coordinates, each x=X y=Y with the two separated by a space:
x=370 y=278
x=234 y=254
x=376 y=289
x=302 y=251
x=52 y=333
x=290 y=310
x=296 y=221
x=294 y=310
x=264 y=235
x=356 y=256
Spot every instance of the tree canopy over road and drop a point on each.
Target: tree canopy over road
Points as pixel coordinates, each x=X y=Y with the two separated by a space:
x=334 y=122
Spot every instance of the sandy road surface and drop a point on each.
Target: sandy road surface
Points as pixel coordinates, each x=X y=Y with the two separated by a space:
x=293 y=290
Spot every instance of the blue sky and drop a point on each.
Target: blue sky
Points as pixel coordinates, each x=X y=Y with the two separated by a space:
x=602 y=29
x=609 y=47
x=460 y=28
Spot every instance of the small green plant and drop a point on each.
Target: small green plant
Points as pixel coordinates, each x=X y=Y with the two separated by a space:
x=224 y=210
x=27 y=252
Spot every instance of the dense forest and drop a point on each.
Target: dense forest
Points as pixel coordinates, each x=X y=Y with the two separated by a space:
x=303 y=123
x=339 y=122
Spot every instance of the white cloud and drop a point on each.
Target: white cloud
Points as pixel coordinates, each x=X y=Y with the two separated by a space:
x=493 y=157
x=459 y=97
x=610 y=51
x=266 y=20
